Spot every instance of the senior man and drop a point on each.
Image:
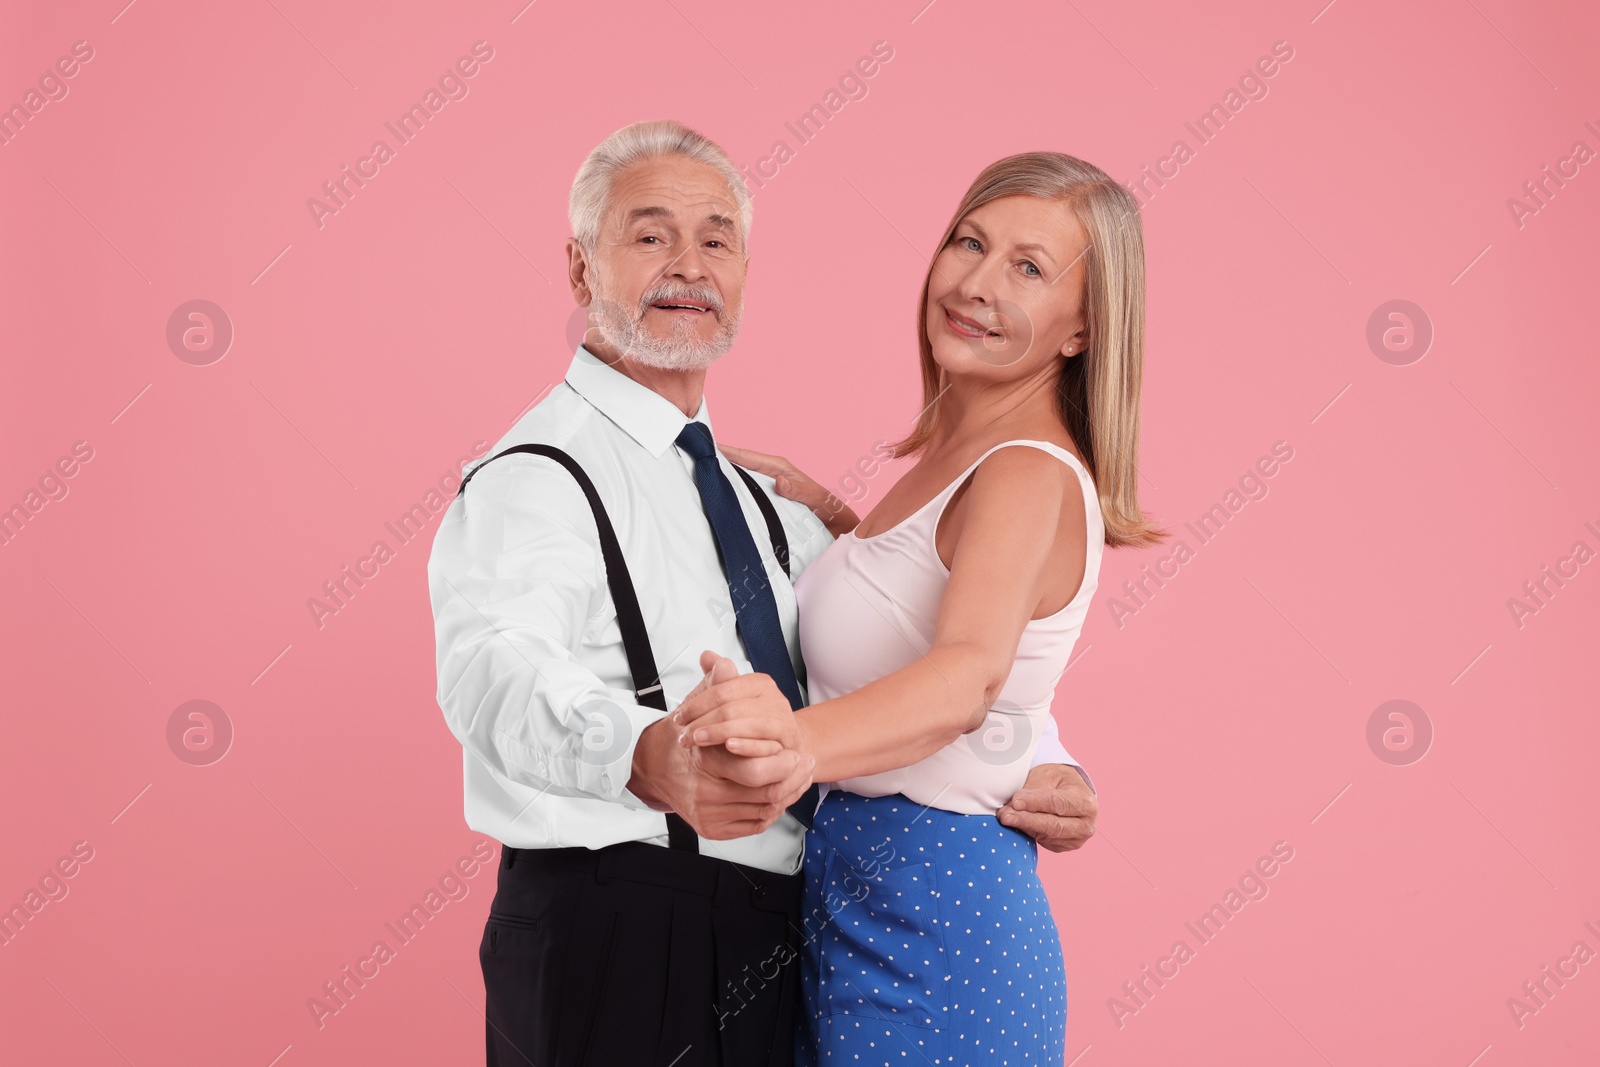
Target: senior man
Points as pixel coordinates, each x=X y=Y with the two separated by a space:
x=647 y=909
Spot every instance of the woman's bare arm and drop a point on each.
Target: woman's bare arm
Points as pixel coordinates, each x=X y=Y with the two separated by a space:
x=998 y=578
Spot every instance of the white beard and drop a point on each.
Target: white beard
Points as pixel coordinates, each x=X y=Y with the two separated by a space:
x=684 y=351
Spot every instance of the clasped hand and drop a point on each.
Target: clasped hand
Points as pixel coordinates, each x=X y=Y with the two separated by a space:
x=730 y=760
x=745 y=713
x=743 y=757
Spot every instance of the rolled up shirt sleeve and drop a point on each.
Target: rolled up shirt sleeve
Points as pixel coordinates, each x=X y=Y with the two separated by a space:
x=515 y=577
x=1050 y=750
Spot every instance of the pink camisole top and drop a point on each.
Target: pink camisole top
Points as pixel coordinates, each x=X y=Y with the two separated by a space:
x=868 y=606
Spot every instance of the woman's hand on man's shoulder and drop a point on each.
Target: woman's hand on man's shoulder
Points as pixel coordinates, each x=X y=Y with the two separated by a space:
x=792 y=484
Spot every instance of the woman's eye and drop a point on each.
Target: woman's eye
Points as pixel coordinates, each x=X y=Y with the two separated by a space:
x=971 y=244
x=714 y=244
x=1030 y=270
x=649 y=237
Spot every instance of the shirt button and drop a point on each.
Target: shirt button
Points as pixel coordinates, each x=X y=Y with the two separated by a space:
x=605 y=781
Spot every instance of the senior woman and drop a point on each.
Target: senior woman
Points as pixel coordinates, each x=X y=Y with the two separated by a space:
x=949 y=614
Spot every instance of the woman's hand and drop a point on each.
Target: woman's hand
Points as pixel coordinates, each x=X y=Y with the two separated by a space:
x=793 y=485
x=747 y=713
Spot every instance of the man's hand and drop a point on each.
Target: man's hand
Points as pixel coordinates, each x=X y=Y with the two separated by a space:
x=1055 y=807
x=720 y=794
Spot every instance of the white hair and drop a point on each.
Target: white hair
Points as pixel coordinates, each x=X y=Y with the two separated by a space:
x=633 y=144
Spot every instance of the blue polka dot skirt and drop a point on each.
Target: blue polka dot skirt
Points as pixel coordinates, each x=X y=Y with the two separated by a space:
x=928 y=940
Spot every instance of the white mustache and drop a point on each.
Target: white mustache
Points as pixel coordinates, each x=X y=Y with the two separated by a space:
x=669 y=292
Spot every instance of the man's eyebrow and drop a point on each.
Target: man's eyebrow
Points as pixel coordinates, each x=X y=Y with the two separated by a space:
x=655 y=211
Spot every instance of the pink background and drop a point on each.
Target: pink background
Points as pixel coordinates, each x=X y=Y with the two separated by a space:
x=1227 y=714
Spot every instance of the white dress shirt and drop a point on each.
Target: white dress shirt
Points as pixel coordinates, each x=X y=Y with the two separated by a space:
x=533 y=680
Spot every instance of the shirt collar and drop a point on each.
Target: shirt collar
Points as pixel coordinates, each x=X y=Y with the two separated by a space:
x=647 y=416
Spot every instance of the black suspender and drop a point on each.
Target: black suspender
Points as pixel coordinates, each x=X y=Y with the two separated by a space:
x=780 y=541
x=630 y=620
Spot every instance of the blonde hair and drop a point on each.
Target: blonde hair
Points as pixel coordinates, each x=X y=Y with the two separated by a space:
x=586 y=204
x=1098 y=391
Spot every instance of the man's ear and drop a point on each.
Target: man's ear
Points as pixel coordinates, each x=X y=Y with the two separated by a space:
x=578 y=272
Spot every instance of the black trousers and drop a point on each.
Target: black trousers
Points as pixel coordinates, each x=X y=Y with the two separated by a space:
x=637 y=955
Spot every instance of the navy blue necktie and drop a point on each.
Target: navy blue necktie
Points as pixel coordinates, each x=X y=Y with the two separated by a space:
x=754 y=608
